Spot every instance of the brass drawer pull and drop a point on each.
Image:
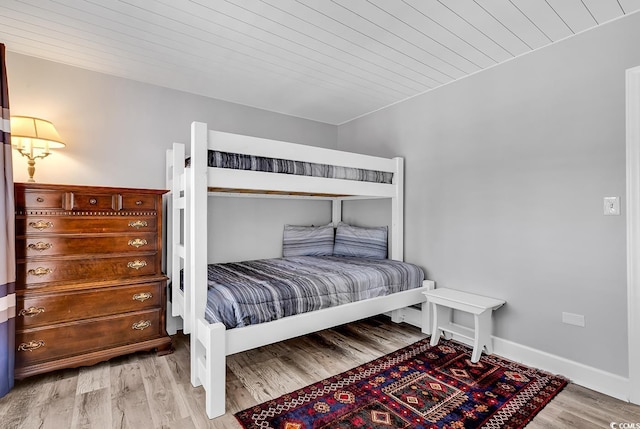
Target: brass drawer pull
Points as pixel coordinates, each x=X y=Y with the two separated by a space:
x=142 y=297
x=138 y=242
x=139 y=203
x=40 y=271
x=41 y=225
x=30 y=346
x=137 y=264
x=40 y=200
x=141 y=325
x=93 y=201
x=31 y=311
x=40 y=246
x=137 y=224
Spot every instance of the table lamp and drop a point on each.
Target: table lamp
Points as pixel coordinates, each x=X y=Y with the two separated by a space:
x=33 y=138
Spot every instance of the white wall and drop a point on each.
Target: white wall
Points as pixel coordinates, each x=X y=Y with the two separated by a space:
x=505 y=177
x=117 y=132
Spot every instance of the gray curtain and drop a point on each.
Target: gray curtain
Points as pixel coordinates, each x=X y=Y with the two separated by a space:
x=7 y=241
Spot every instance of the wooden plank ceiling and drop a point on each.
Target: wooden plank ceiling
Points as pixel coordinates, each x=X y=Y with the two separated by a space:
x=326 y=60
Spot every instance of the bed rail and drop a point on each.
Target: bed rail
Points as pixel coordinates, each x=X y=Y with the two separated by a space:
x=249 y=145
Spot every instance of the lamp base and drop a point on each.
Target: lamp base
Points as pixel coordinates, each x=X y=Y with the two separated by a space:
x=31 y=169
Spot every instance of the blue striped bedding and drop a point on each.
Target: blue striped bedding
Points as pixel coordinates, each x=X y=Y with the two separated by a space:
x=251 y=292
x=274 y=165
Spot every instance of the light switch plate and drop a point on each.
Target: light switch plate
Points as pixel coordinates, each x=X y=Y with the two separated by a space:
x=573 y=319
x=611 y=206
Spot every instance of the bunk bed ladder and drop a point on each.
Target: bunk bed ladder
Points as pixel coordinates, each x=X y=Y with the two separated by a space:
x=167 y=250
x=174 y=250
x=397 y=213
x=180 y=298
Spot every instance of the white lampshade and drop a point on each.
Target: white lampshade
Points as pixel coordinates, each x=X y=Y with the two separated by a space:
x=35 y=133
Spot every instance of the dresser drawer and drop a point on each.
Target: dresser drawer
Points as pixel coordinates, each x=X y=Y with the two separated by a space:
x=37 y=271
x=68 y=339
x=139 y=202
x=45 y=309
x=84 y=224
x=81 y=200
x=41 y=199
x=53 y=245
x=95 y=201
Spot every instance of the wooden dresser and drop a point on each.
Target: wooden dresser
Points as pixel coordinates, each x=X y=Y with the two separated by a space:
x=89 y=282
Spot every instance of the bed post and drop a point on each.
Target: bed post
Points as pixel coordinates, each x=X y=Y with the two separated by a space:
x=197 y=240
x=397 y=230
x=426 y=321
x=397 y=213
x=215 y=369
x=336 y=211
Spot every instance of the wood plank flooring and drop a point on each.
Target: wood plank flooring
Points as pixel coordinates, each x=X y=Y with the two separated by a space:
x=142 y=390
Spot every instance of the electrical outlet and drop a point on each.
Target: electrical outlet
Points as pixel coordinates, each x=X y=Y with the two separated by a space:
x=611 y=206
x=573 y=319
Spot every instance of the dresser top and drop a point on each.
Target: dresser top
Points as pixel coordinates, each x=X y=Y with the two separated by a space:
x=81 y=188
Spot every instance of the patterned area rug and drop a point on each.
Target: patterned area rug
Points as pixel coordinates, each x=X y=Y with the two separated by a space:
x=416 y=387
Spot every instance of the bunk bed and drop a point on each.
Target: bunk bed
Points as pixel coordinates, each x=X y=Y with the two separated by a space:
x=192 y=179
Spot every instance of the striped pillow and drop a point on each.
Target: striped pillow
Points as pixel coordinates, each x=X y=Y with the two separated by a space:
x=307 y=240
x=361 y=242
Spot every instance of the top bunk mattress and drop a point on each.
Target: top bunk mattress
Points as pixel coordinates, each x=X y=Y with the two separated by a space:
x=251 y=292
x=239 y=161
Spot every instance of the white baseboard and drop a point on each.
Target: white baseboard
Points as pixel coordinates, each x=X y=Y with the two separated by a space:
x=601 y=381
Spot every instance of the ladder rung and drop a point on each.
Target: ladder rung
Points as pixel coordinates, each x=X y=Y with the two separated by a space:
x=179 y=250
x=178 y=203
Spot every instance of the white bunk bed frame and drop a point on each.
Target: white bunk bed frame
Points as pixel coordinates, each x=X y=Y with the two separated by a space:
x=189 y=188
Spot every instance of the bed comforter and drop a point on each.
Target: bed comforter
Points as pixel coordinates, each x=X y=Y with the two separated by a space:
x=251 y=292
x=275 y=165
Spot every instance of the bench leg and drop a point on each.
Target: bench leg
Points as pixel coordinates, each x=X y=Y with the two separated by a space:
x=482 y=336
x=426 y=316
x=441 y=315
x=435 y=332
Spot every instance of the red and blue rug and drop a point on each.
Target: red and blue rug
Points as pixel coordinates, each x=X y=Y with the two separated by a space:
x=418 y=386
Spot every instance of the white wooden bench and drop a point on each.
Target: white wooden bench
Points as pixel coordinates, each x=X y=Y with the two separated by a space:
x=443 y=301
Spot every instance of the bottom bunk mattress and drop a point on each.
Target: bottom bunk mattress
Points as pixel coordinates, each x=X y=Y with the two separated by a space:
x=251 y=292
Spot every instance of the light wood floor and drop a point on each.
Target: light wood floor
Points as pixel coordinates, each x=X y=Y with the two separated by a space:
x=143 y=391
